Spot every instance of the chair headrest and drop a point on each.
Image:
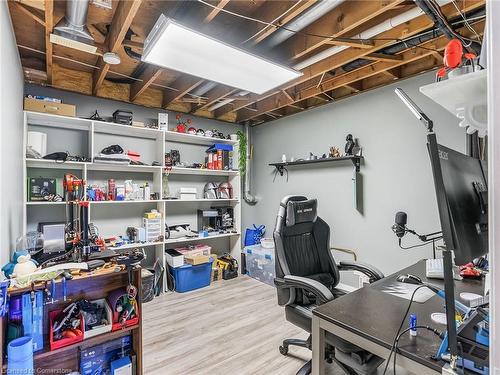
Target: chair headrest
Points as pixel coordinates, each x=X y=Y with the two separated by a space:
x=298 y=212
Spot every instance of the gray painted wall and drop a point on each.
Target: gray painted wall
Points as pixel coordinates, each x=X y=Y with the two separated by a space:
x=396 y=171
x=11 y=106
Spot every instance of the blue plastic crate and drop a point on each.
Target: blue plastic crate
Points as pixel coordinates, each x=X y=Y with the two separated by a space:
x=189 y=277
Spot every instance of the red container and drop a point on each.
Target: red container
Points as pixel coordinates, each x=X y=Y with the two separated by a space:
x=113 y=299
x=56 y=344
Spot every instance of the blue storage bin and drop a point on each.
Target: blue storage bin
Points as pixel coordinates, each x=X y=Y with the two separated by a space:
x=188 y=277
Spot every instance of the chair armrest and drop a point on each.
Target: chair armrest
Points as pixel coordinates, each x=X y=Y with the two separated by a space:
x=373 y=273
x=313 y=286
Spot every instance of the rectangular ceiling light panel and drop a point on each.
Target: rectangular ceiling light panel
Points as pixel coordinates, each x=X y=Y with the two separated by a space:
x=179 y=48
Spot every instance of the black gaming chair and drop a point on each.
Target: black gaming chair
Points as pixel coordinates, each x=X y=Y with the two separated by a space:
x=307 y=276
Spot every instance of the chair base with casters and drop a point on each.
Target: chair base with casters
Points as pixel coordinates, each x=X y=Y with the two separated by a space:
x=307 y=276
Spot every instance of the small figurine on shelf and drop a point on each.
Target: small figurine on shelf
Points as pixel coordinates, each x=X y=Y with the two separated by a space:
x=182 y=126
x=334 y=152
x=349 y=145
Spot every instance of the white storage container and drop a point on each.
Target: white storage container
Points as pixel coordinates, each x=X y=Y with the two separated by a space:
x=104 y=328
x=174 y=258
x=260 y=263
x=152 y=228
x=187 y=193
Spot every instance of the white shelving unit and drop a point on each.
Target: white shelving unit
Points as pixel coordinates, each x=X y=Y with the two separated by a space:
x=455 y=93
x=465 y=97
x=87 y=137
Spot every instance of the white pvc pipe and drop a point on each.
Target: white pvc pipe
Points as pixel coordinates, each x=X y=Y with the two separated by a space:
x=367 y=34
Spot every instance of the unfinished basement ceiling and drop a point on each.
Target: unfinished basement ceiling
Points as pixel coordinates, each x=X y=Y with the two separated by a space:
x=325 y=45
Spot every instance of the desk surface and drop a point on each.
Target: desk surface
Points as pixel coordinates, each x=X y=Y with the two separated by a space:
x=381 y=313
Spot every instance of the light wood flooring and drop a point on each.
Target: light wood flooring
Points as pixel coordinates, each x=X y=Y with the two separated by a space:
x=232 y=327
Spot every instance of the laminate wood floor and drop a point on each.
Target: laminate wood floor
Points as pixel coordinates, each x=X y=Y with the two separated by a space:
x=232 y=327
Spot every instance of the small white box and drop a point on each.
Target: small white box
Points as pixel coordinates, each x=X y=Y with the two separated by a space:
x=163 y=121
x=174 y=258
x=187 y=193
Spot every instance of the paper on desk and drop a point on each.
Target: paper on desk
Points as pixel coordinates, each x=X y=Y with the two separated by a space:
x=403 y=290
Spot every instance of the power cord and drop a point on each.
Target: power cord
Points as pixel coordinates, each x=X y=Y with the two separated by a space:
x=414 y=246
x=433 y=330
x=401 y=326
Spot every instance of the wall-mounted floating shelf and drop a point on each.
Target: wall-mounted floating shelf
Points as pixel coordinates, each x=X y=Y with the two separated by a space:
x=356 y=160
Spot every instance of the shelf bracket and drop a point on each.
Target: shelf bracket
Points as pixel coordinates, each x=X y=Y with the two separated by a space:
x=280 y=169
x=357 y=164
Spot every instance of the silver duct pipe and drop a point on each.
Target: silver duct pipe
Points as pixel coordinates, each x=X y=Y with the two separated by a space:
x=204 y=88
x=303 y=20
x=74 y=24
x=247 y=196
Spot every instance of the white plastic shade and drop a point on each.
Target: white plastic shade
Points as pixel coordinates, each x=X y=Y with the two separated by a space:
x=179 y=48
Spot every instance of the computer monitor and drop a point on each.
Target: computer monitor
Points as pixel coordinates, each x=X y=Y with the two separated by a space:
x=461 y=190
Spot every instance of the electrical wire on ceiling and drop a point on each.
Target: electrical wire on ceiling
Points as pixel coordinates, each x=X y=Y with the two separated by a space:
x=110 y=71
x=299 y=32
x=467 y=42
x=272 y=22
x=467 y=24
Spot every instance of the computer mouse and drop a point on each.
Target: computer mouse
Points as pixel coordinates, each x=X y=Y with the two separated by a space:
x=409 y=279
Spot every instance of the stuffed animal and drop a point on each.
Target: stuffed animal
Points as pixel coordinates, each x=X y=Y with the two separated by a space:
x=21 y=265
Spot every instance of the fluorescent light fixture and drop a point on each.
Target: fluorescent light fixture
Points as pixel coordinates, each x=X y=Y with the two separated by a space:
x=179 y=48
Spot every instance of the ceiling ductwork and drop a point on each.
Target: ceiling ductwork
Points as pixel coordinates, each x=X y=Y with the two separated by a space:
x=72 y=30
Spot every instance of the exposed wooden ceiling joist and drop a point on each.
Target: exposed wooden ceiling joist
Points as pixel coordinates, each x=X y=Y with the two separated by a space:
x=122 y=19
x=326 y=80
x=32 y=13
x=215 y=11
x=214 y=95
x=365 y=44
x=298 y=8
x=37 y=4
x=183 y=85
x=147 y=78
x=338 y=22
x=382 y=57
x=49 y=24
x=272 y=101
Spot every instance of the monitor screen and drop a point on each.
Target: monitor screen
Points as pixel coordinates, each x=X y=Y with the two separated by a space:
x=464 y=191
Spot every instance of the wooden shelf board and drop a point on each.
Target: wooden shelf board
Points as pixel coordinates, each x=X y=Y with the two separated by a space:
x=96 y=340
x=64 y=122
x=104 y=127
x=53 y=164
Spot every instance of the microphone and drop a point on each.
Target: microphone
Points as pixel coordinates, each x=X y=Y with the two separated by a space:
x=399 y=227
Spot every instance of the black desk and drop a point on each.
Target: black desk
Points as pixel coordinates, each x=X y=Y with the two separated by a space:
x=370 y=318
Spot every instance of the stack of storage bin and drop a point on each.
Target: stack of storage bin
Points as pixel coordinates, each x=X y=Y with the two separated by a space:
x=260 y=263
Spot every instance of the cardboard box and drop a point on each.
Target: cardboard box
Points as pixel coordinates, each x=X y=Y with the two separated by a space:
x=196 y=259
x=43 y=106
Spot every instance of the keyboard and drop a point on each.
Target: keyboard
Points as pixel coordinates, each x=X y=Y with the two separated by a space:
x=434 y=269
